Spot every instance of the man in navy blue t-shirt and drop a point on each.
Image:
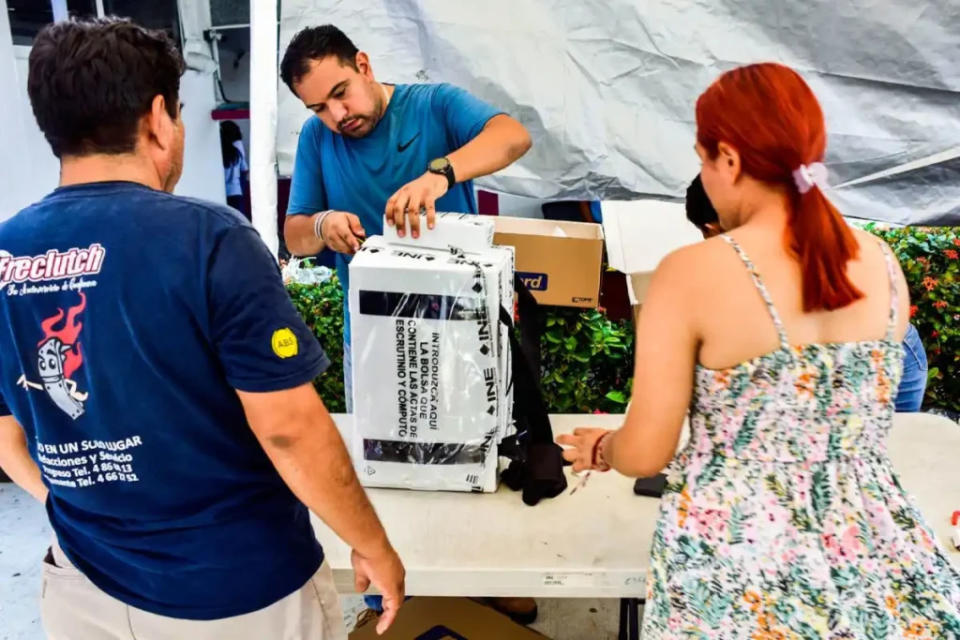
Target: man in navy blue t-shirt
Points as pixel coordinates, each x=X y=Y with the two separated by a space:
x=155 y=379
x=377 y=149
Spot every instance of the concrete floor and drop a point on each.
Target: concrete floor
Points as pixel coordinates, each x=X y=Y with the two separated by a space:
x=25 y=535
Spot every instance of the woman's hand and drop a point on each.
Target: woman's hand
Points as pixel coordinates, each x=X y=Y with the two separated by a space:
x=582 y=452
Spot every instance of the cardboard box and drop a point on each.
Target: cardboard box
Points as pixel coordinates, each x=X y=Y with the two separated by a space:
x=558 y=261
x=448 y=619
x=431 y=365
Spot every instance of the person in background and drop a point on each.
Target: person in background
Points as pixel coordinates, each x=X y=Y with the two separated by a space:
x=156 y=382
x=378 y=149
x=913 y=381
x=780 y=339
x=234 y=164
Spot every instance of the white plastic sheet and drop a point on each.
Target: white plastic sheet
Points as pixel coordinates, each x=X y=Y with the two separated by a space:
x=431 y=374
x=607 y=87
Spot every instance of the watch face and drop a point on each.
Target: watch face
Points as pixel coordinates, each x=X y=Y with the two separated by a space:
x=439 y=165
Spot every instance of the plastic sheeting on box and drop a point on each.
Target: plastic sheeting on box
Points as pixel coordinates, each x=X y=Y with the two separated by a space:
x=431 y=363
x=607 y=87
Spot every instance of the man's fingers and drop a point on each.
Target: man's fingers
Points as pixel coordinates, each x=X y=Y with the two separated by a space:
x=392 y=600
x=391 y=207
x=334 y=242
x=356 y=226
x=399 y=217
x=570 y=455
x=386 y=619
x=360 y=582
x=430 y=204
x=413 y=213
x=350 y=243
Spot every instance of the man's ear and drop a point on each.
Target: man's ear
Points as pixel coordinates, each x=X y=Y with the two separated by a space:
x=363 y=65
x=159 y=124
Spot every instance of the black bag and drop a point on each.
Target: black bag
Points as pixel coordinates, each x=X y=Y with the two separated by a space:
x=536 y=461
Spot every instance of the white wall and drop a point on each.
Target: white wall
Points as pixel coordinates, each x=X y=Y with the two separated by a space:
x=29 y=170
x=202 y=164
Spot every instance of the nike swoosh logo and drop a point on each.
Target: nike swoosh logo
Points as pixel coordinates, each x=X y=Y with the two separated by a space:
x=403 y=147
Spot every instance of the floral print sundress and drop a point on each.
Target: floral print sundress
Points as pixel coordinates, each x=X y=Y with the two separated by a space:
x=782 y=517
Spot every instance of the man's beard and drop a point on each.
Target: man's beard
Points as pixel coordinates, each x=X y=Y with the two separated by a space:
x=368 y=122
x=360 y=131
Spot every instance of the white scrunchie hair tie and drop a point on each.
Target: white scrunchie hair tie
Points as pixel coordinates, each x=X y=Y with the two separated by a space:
x=808 y=176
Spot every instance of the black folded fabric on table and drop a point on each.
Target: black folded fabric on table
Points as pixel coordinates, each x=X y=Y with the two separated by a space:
x=536 y=466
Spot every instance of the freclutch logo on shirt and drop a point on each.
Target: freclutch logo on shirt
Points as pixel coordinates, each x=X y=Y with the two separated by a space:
x=533 y=281
x=53 y=265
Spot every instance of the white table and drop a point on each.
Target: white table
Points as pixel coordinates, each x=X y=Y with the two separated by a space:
x=596 y=542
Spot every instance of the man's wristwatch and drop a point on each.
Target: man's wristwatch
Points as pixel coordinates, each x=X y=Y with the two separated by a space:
x=442 y=167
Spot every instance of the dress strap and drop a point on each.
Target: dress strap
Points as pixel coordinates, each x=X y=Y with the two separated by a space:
x=894 y=293
x=762 y=288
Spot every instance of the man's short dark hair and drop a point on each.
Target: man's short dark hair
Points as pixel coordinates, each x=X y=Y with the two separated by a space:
x=700 y=210
x=315 y=43
x=91 y=81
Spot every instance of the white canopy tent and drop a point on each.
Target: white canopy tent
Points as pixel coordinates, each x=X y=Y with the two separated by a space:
x=607 y=87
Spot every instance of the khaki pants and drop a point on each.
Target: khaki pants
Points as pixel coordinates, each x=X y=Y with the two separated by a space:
x=74 y=609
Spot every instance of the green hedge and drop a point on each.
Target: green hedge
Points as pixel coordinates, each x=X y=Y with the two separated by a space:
x=321 y=306
x=588 y=359
x=930 y=258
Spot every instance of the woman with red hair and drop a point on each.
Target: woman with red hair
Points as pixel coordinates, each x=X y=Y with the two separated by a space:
x=782 y=517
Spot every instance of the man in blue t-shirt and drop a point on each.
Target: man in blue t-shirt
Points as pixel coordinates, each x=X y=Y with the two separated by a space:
x=377 y=149
x=155 y=379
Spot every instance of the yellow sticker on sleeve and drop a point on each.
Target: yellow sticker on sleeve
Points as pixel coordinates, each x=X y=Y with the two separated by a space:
x=284 y=343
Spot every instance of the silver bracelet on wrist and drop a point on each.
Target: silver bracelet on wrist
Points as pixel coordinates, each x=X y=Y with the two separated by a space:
x=318 y=223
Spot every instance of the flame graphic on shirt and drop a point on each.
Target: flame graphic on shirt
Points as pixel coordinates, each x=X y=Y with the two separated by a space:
x=58 y=358
x=67 y=334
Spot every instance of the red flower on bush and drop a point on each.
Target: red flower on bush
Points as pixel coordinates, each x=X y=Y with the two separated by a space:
x=923 y=261
x=940 y=305
x=913 y=310
x=930 y=283
x=956 y=241
x=935 y=334
x=952 y=254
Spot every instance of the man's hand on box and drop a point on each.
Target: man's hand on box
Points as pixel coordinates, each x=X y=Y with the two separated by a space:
x=405 y=204
x=342 y=232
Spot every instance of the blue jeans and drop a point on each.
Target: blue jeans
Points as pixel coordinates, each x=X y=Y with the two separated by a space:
x=914 y=382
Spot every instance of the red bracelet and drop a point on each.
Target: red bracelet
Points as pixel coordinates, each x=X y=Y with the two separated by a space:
x=596 y=456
